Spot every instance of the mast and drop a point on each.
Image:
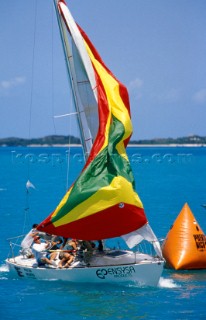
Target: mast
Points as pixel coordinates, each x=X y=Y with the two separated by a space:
x=86 y=143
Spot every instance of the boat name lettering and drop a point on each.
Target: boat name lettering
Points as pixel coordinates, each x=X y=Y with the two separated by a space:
x=29 y=273
x=19 y=271
x=200 y=240
x=116 y=272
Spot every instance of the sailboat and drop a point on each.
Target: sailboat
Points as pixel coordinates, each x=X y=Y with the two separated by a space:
x=102 y=203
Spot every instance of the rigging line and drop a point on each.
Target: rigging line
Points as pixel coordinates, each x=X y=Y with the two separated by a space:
x=26 y=210
x=32 y=81
x=53 y=43
x=27 y=220
x=52 y=71
x=69 y=148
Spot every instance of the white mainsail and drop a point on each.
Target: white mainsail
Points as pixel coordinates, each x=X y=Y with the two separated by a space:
x=82 y=77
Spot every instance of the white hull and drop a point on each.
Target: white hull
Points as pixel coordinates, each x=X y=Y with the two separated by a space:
x=145 y=272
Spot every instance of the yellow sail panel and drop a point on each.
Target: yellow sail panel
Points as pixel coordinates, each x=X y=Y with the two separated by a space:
x=121 y=150
x=62 y=203
x=115 y=102
x=102 y=199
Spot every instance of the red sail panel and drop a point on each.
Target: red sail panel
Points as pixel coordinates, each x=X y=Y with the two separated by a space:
x=93 y=227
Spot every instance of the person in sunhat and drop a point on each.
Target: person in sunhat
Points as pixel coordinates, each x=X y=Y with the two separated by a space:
x=41 y=254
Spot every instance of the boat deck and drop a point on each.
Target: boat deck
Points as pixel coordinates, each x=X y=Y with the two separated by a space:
x=110 y=258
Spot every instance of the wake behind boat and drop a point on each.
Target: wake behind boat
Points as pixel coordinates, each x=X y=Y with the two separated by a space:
x=102 y=203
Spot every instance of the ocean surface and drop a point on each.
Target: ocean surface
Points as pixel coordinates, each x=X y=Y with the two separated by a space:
x=166 y=178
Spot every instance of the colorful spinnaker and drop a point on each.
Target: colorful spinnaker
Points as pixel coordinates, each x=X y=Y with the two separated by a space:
x=102 y=203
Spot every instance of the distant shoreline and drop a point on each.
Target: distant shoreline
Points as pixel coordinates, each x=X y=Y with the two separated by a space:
x=174 y=145
x=65 y=141
x=168 y=145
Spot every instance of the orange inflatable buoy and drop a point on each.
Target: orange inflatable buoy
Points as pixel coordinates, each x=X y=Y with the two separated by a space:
x=185 y=245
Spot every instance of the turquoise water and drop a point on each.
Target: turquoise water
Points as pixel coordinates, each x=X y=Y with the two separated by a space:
x=166 y=178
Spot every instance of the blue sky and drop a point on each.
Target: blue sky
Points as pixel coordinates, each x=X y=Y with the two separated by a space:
x=157 y=48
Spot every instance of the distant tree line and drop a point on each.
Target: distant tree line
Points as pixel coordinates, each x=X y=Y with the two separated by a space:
x=65 y=140
x=48 y=140
x=194 y=139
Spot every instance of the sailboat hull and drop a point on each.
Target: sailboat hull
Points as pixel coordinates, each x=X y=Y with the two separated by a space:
x=143 y=273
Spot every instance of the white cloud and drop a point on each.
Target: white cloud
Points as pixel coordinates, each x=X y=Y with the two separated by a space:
x=8 y=84
x=134 y=88
x=170 y=95
x=135 y=84
x=200 y=96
